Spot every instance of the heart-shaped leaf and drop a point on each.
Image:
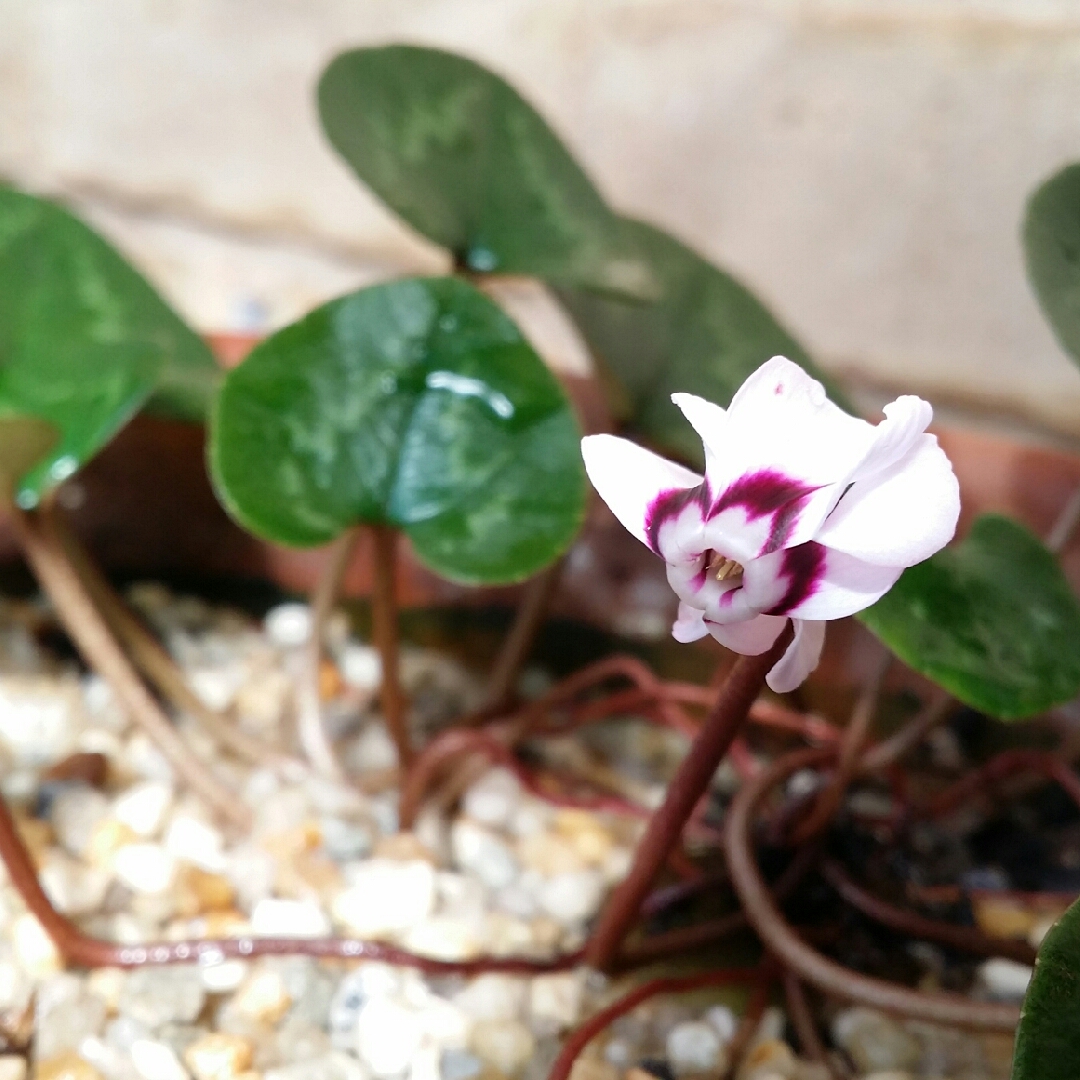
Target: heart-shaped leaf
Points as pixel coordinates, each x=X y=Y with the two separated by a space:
x=1052 y=247
x=418 y=404
x=703 y=335
x=84 y=340
x=1048 y=1038
x=465 y=160
x=992 y=620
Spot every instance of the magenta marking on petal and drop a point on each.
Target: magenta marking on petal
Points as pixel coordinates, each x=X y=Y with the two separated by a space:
x=763 y=493
x=669 y=504
x=804 y=567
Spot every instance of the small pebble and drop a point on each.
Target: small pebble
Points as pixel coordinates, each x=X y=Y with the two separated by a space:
x=289 y=918
x=385 y=897
x=195 y=842
x=572 y=898
x=218 y=1056
x=144 y=807
x=556 y=999
x=360 y=666
x=263 y=997
x=331 y=1066
x=505 y=1044
x=493 y=799
x=34 y=949
x=145 y=868
x=388 y=1035
x=459 y=1065
x=480 y=851
x=288 y=626
x=493 y=996
x=156 y=1061
x=694 y=1047
x=874 y=1041
x=1004 y=979
x=65 y=1066
x=723 y=1022
x=12 y=1067
x=156 y=996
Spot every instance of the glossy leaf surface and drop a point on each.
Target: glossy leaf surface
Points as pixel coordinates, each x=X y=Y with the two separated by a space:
x=417 y=404
x=992 y=620
x=1048 y=1038
x=84 y=340
x=466 y=161
x=703 y=335
x=1052 y=247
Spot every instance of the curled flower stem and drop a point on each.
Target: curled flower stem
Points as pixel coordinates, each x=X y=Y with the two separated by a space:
x=805 y=961
x=384 y=623
x=685 y=789
x=832 y=795
x=151 y=657
x=92 y=636
x=310 y=729
x=965 y=938
x=592 y=1027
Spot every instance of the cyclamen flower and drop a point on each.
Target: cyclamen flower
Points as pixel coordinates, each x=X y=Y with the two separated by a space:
x=804 y=512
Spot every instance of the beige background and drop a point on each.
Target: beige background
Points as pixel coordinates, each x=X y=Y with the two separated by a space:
x=862 y=163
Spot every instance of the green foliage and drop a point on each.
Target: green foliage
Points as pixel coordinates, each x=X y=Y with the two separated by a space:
x=84 y=340
x=24 y=441
x=1052 y=246
x=992 y=620
x=467 y=162
x=416 y=403
x=1048 y=1039
x=704 y=334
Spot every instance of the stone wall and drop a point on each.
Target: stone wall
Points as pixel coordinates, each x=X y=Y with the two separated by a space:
x=862 y=163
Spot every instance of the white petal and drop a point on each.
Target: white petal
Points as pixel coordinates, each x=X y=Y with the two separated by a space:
x=750 y=637
x=777 y=460
x=843 y=586
x=801 y=658
x=906 y=419
x=690 y=624
x=900 y=516
x=707 y=419
x=629 y=478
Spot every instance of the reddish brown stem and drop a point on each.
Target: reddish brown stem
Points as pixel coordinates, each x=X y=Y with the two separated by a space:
x=809 y=964
x=832 y=795
x=965 y=938
x=515 y=649
x=151 y=657
x=310 y=729
x=592 y=1027
x=79 y=949
x=384 y=622
x=802 y=1019
x=1000 y=768
x=94 y=640
x=751 y=1018
x=687 y=786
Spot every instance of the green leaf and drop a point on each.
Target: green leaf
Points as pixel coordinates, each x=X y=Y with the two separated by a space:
x=704 y=334
x=1052 y=247
x=992 y=620
x=24 y=441
x=84 y=340
x=465 y=160
x=1048 y=1038
x=416 y=403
